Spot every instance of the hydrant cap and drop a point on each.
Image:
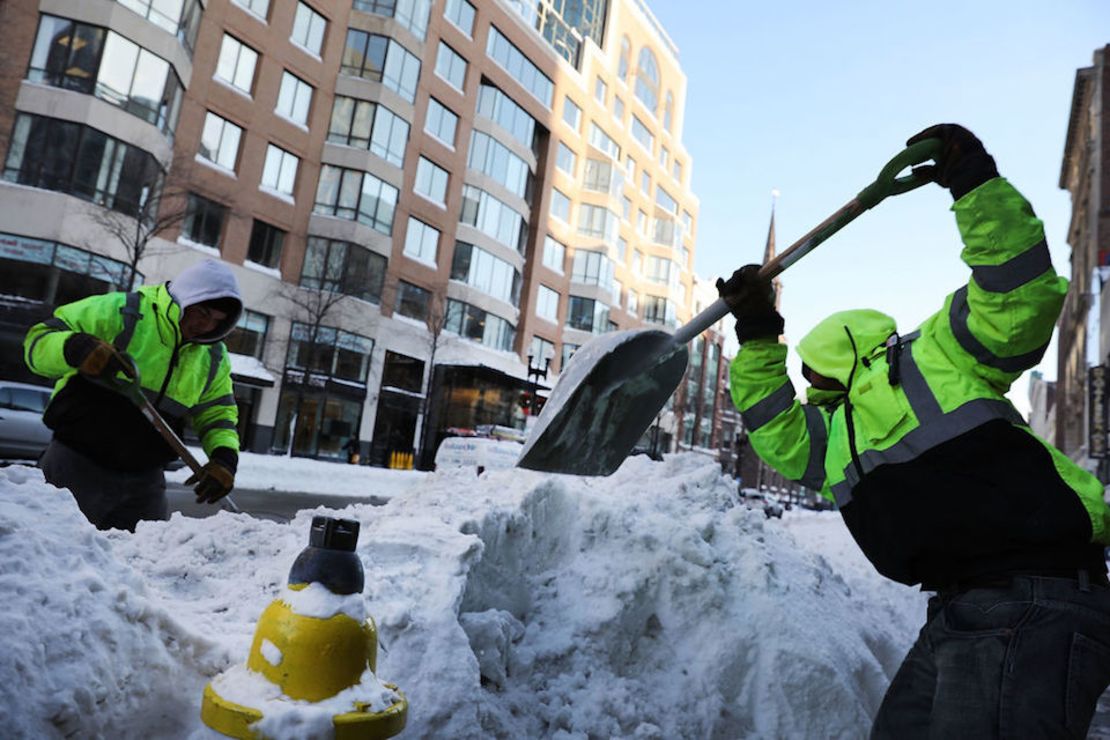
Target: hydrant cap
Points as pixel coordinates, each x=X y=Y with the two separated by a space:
x=333 y=534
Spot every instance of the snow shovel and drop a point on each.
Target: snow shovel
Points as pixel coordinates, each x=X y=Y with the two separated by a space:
x=133 y=390
x=615 y=385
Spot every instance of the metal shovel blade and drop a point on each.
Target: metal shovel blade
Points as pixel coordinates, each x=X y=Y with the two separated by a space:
x=608 y=396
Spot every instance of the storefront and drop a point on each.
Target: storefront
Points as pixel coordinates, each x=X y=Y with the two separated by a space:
x=400 y=404
x=323 y=391
x=475 y=399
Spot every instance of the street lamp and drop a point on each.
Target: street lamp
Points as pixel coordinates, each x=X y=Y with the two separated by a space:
x=534 y=375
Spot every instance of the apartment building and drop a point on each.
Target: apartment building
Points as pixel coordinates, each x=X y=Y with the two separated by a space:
x=1084 y=325
x=423 y=200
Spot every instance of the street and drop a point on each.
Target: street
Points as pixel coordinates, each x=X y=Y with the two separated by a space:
x=273 y=505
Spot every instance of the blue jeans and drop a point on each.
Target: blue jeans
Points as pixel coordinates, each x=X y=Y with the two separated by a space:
x=1027 y=658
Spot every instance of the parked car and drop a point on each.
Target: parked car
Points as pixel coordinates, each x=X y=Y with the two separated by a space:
x=23 y=436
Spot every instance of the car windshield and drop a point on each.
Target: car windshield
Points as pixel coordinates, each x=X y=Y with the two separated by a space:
x=24 y=399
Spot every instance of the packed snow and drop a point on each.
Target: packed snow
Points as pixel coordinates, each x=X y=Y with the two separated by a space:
x=649 y=604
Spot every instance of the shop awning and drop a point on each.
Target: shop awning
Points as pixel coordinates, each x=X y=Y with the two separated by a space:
x=249 y=371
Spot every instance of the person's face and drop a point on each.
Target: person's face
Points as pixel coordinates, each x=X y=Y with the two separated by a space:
x=200 y=320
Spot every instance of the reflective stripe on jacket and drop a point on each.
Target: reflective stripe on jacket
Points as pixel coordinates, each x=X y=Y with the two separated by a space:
x=908 y=395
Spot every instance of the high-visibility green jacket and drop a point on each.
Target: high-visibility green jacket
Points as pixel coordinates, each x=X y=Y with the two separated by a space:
x=186 y=381
x=936 y=474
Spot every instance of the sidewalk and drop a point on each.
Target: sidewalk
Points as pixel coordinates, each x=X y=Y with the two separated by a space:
x=303 y=475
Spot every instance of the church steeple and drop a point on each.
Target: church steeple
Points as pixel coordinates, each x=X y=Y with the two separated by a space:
x=769 y=249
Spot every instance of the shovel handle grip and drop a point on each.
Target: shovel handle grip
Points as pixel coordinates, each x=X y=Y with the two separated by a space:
x=886 y=184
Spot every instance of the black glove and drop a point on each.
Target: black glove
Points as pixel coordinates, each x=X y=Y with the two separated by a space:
x=752 y=301
x=216 y=477
x=92 y=356
x=962 y=165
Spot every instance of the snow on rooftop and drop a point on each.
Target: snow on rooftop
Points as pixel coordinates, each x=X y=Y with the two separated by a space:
x=649 y=604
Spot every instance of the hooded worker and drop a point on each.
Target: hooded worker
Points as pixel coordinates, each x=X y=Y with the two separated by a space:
x=103 y=449
x=940 y=480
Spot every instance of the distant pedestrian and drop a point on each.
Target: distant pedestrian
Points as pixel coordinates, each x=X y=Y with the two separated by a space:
x=354 y=450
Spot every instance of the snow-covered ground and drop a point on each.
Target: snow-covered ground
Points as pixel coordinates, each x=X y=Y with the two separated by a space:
x=650 y=604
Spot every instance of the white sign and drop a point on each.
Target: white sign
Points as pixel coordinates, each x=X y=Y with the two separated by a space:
x=475 y=452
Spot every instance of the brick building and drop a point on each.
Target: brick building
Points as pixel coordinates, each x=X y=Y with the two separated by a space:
x=417 y=196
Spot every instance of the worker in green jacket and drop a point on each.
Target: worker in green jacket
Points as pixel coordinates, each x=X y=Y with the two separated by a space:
x=940 y=480
x=103 y=449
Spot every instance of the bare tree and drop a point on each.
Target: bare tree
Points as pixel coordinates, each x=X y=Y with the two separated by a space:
x=161 y=211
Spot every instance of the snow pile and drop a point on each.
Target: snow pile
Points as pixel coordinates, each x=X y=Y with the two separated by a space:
x=649 y=604
x=85 y=646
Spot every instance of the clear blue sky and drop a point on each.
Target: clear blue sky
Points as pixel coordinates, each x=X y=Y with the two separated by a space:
x=813 y=97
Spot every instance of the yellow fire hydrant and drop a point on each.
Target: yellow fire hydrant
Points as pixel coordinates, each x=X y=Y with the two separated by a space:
x=313 y=646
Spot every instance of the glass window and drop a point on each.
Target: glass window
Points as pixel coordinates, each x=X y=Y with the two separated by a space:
x=560 y=205
x=547 y=304
x=554 y=254
x=402 y=70
x=633 y=302
x=204 y=220
x=294 y=99
x=541 y=350
x=623 y=59
x=308 y=29
x=592 y=268
x=664 y=155
x=490 y=156
x=603 y=141
x=659 y=310
x=461 y=14
x=618 y=108
x=687 y=221
x=265 y=244
x=71 y=158
x=412 y=300
x=676 y=171
x=668 y=111
x=647 y=79
x=622 y=248
x=236 y=63
x=421 y=241
x=364 y=124
x=66 y=54
x=587 y=314
x=260 y=8
x=440 y=122
x=502 y=110
x=249 y=335
x=343 y=267
x=88 y=59
x=431 y=181
x=645 y=182
x=219 y=141
x=356 y=195
x=626 y=208
x=329 y=351
x=471 y=322
x=179 y=17
x=364 y=55
x=642 y=134
x=664 y=200
x=280 y=171
x=618 y=288
x=566 y=159
x=390 y=136
x=493 y=218
x=601 y=90
x=411 y=14
x=490 y=274
x=597 y=221
x=641 y=222
x=630 y=167
x=519 y=67
x=572 y=114
x=450 y=66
